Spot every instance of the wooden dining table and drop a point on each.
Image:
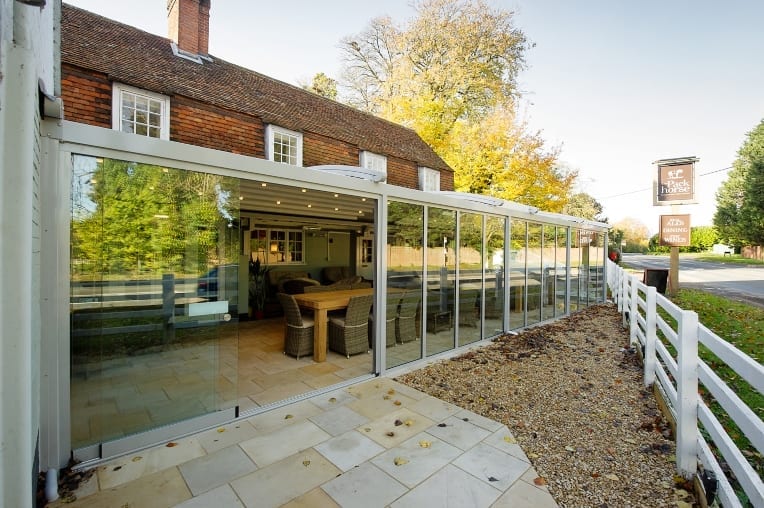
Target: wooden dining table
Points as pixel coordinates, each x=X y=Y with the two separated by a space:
x=321 y=303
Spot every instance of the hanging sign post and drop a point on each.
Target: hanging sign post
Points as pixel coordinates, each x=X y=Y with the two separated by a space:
x=674 y=185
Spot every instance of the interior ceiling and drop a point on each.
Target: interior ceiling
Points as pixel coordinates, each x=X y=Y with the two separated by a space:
x=289 y=206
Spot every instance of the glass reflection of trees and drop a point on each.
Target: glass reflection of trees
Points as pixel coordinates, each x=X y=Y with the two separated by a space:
x=131 y=217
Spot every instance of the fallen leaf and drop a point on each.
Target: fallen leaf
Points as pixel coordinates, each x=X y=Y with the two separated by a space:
x=137 y=458
x=287 y=417
x=570 y=449
x=221 y=430
x=424 y=444
x=611 y=451
x=539 y=480
x=510 y=439
x=333 y=400
x=386 y=397
x=492 y=479
x=618 y=381
x=171 y=444
x=390 y=434
x=595 y=475
x=533 y=455
x=117 y=468
x=367 y=429
x=629 y=440
x=390 y=391
x=397 y=402
x=409 y=423
x=612 y=477
x=306 y=463
x=399 y=461
x=465 y=419
x=441 y=425
x=684 y=504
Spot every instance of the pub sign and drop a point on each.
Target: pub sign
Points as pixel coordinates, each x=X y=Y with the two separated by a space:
x=674 y=183
x=675 y=230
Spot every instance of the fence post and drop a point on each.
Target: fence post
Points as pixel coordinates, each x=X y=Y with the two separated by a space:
x=619 y=289
x=650 y=335
x=633 y=311
x=687 y=395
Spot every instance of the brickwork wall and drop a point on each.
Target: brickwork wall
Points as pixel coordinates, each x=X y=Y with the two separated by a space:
x=402 y=172
x=204 y=125
x=318 y=149
x=86 y=96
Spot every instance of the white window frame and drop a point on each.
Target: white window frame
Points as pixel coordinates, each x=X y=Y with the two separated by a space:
x=278 y=246
x=429 y=179
x=117 y=94
x=271 y=131
x=375 y=161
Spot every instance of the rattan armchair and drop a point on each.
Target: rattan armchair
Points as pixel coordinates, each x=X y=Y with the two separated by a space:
x=393 y=305
x=349 y=335
x=405 y=323
x=298 y=333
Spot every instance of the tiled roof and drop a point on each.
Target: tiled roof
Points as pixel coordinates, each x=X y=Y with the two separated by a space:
x=132 y=56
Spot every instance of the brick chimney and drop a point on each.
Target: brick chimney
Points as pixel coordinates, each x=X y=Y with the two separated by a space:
x=189 y=25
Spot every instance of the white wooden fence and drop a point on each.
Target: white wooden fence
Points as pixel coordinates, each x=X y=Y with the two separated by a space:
x=678 y=379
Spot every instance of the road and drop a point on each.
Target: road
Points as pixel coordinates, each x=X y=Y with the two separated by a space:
x=739 y=282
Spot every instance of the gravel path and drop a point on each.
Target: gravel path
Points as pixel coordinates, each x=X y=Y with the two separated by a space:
x=572 y=394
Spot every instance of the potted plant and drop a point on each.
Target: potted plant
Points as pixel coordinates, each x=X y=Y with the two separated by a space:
x=257 y=287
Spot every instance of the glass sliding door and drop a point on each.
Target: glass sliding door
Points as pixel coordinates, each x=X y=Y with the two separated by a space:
x=405 y=269
x=494 y=275
x=549 y=274
x=470 y=287
x=575 y=269
x=561 y=274
x=535 y=273
x=517 y=274
x=441 y=266
x=155 y=261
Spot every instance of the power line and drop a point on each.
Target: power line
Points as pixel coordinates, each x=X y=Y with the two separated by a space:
x=650 y=188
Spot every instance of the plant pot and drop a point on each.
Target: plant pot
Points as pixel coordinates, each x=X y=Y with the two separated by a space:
x=259 y=314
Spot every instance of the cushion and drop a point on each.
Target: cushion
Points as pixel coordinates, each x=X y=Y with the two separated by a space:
x=335 y=273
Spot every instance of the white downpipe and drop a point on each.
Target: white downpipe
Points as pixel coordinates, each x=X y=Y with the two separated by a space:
x=51 y=484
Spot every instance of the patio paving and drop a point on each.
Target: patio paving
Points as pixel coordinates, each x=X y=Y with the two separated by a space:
x=378 y=443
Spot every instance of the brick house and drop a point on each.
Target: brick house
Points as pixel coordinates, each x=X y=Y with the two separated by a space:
x=195 y=98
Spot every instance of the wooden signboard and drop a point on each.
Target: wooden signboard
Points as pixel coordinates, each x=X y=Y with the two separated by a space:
x=675 y=230
x=674 y=183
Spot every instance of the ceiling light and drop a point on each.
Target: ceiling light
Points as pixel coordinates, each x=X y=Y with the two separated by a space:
x=336 y=195
x=263 y=184
x=310 y=206
x=278 y=202
x=304 y=190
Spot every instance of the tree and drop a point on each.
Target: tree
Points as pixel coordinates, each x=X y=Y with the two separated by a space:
x=450 y=74
x=324 y=86
x=702 y=238
x=739 y=215
x=585 y=206
x=635 y=234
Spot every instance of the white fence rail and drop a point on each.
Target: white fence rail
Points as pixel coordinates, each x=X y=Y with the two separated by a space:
x=678 y=380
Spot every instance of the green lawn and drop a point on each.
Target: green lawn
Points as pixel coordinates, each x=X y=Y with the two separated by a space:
x=718 y=258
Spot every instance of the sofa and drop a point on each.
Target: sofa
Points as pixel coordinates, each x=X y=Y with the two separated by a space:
x=332 y=274
x=289 y=281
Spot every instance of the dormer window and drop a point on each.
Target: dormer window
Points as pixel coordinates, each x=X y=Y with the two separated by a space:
x=140 y=112
x=371 y=160
x=282 y=145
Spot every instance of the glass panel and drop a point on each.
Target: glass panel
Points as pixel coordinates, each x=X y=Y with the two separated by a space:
x=575 y=268
x=141 y=103
x=405 y=268
x=560 y=283
x=470 y=277
x=550 y=272
x=141 y=129
x=585 y=272
x=517 y=289
x=535 y=274
x=441 y=266
x=155 y=107
x=494 y=278
x=154 y=297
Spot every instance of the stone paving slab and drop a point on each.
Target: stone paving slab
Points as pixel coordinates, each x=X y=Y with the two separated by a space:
x=375 y=444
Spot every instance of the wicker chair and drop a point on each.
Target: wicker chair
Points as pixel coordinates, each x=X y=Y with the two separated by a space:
x=317 y=289
x=349 y=335
x=298 y=333
x=468 y=308
x=393 y=304
x=405 y=323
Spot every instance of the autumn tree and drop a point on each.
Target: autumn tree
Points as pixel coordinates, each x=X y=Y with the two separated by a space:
x=323 y=85
x=739 y=216
x=450 y=74
x=585 y=206
x=635 y=233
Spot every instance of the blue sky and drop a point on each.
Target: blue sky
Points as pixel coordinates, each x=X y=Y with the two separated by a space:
x=616 y=84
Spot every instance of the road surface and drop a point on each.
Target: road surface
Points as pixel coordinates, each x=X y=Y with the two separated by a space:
x=739 y=282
